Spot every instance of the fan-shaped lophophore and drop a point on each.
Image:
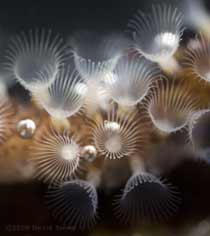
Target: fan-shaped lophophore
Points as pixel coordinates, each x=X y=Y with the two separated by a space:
x=171 y=104
x=73 y=204
x=199 y=127
x=96 y=54
x=197 y=58
x=120 y=134
x=158 y=34
x=191 y=8
x=6 y=118
x=55 y=155
x=131 y=79
x=146 y=198
x=97 y=98
x=36 y=53
x=65 y=96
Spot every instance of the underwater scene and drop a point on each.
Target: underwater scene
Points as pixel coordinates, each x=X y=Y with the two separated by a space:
x=105 y=118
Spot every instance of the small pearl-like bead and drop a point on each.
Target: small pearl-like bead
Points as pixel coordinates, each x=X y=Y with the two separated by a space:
x=26 y=128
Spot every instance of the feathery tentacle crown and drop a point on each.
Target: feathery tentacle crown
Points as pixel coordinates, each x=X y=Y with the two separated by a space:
x=96 y=54
x=131 y=79
x=55 y=155
x=197 y=59
x=73 y=203
x=170 y=105
x=146 y=198
x=157 y=35
x=33 y=54
x=120 y=135
x=65 y=95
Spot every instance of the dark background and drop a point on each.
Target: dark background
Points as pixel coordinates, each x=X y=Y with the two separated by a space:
x=70 y=15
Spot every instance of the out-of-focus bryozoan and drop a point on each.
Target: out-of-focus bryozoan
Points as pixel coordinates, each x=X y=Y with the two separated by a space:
x=171 y=103
x=157 y=35
x=7 y=114
x=73 y=204
x=55 y=155
x=89 y=153
x=35 y=53
x=65 y=95
x=131 y=79
x=199 y=126
x=192 y=8
x=120 y=134
x=146 y=198
x=96 y=54
x=197 y=58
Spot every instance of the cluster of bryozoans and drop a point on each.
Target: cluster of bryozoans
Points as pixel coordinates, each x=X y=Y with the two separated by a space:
x=121 y=77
